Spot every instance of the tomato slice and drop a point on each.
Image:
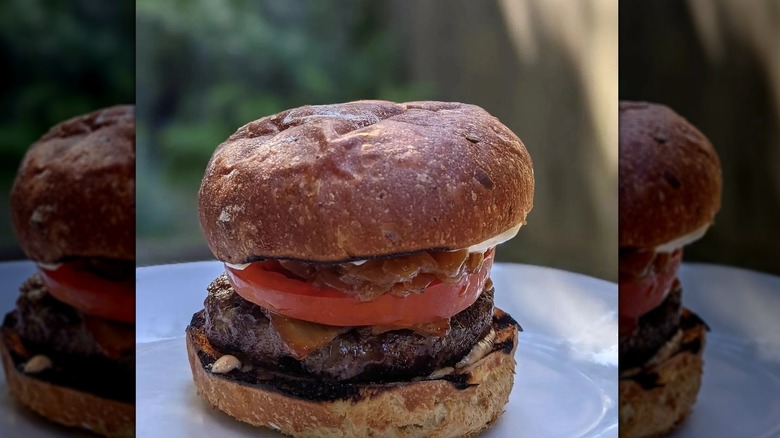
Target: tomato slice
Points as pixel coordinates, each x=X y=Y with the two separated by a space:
x=90 y=293
x=639 y=295
x=263 y=285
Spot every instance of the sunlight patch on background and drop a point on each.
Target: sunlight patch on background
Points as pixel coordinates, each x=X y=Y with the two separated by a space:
x=518 y=15
x=587 y=30
x=756 y=24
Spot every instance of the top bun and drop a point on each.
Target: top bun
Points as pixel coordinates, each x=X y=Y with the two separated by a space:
x=74 y=194
x=364 y=179
x=669 y=173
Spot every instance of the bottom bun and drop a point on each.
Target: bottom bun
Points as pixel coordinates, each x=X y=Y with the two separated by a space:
x=64 y=405
x=658 y=397
x=451 y=405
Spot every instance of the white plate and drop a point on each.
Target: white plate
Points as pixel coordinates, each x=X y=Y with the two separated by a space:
x=15 y=420
x=566 y=376
x=740 y=394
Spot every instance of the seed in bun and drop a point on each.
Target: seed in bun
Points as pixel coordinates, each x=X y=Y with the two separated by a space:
x=358 y=240
x=670 y=190
x=68 y=348
x=656 y=397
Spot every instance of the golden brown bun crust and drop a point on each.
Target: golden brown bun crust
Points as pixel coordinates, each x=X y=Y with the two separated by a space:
x=66 y=405
x=361 y=179
x=428 y=408
x=74 y=194
x=656 y=412
x=670 y=177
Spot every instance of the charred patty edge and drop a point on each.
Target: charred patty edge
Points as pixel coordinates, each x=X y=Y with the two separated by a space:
x=95 y=375
x=307 y=386
x=653 y=331
x=691 y=331
x=241 y=328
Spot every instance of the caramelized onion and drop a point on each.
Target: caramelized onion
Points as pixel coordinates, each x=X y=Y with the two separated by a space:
x=399 y=276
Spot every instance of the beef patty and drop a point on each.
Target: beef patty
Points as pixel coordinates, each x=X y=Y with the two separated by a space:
x=652 y=331
x=88 y=353
x=236 y=326
x=46 y=323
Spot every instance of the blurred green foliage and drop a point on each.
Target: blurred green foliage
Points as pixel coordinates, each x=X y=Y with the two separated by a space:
x=207 y=67
x=59 y=59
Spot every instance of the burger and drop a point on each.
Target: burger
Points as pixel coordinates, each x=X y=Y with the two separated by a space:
x=68 y=348
x=669 y=193
x=358 y=240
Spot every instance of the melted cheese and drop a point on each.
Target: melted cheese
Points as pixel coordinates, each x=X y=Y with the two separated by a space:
x=113 y=339
x=302 y=337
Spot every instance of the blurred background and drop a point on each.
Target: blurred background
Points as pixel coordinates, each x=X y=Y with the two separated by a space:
x=60 y=59
x=546 y=68
x=717 y=63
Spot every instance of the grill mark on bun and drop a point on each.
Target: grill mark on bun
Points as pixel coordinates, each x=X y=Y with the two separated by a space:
x=297 y=383
x=690 y=324
x=459 y=381
x=644 y=400
x=647 y=381
x=693 y=347
x=95 y=375
x=505 y=347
